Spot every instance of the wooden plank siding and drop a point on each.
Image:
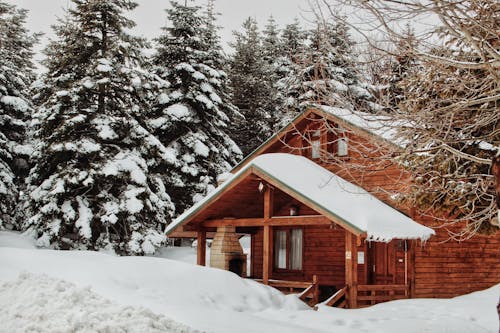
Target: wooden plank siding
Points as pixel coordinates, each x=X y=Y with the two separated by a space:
x=450 y=268
x=437 y=268
x=324 y=256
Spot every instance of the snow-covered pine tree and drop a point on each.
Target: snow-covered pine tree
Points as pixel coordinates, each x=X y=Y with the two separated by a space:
x=292 y=48
x=391 y=69
x=292 y=39
x=96 y=182
x=16 y=75
x=215 y=57
x=279 y=59
x=327 y=73
x=251 y=88
x=192 y=113
x=271 y=44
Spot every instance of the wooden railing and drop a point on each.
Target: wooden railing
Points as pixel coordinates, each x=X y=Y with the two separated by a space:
x=311 y=293
x=284 y=284
x=338 y=299
x=310 y=290
x=382 y=293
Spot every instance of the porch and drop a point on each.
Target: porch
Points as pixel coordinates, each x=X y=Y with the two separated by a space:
x=330 y=265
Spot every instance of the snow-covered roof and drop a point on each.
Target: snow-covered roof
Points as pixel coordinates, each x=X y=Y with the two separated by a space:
x=339 y=200
x=379 y=125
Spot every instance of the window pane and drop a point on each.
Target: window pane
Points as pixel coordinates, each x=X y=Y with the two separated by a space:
x=315 y=148
x=296 y=249
x=280 y=249
x=342 y=147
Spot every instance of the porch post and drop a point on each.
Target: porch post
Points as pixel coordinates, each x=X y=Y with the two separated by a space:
x=411 y=266
x=201 y=238
x=268 y=234
x=351 y=270
x=410 y=262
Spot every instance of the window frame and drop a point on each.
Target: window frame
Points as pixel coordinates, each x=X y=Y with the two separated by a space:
x=288 y=238
x=344 y=140
x=316 y=148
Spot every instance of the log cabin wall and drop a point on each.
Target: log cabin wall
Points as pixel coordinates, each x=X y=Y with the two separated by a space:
x=441 y=269
x=324 y=256
x=451 y=268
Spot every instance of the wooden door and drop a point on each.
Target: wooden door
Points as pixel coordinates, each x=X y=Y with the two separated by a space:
x=387 y=262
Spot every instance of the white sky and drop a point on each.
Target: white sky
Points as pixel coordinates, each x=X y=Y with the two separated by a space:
x=150 y=15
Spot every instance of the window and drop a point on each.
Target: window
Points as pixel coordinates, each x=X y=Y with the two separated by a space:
x=296 y=249
x=288 y=245
x=280 y=249
x=342 y=148
x=315 y=148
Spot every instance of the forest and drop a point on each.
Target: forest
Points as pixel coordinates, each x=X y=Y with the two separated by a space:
x=109 y=144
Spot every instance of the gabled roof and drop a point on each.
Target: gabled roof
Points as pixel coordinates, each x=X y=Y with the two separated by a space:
x=342 y=202
x=378 y=126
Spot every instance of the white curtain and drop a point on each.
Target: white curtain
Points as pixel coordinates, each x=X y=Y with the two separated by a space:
x=280 y=249
x=296 y=249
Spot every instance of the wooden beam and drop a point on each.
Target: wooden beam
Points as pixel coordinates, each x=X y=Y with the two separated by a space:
x=266 y=254
x=348 y=266
x=268 y=203
x=303 y=220
x=410 y=259
x=286 y=284
x=382 y=287
x=380 y=298
x=268 y=236
x=351 y=269
x=412 y=244
x=273 y=221
x=354 y=262
x=201 y=248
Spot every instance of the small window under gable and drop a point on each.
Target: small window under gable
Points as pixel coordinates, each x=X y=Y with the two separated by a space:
x=316 y=144
x=342 y=147
x=316 y=148
x=342 y=142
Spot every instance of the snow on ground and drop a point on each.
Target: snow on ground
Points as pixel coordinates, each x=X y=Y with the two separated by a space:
x=188 y=254
x=38 y=303
x=134 y=292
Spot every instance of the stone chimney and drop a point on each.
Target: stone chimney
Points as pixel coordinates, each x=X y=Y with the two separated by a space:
x=226 y=252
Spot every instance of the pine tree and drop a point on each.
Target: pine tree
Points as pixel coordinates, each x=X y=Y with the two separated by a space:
x=215 y=57
x=16 y=75
x=292 y=50
x=400 y=66
x=96 y=182
x=293 y=39
x=251 y=88
x=327 y=73
x=192 y=113
x=271 y=44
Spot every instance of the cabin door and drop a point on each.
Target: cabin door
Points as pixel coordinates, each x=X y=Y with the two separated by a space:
x=387 y=263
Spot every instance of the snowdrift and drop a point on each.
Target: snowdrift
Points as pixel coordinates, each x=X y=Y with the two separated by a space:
x=81 y=291
x=38 y=303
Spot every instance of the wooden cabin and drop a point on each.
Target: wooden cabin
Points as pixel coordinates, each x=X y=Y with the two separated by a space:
x=320 y=201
